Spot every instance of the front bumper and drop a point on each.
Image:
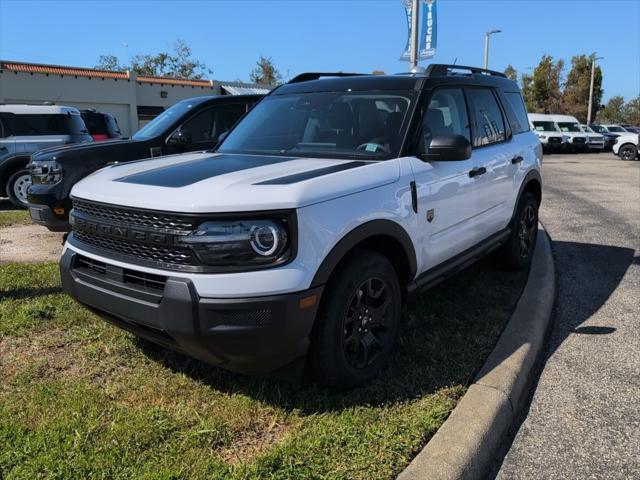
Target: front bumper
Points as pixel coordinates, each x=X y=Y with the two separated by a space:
x=246 y=335
x=41 y=210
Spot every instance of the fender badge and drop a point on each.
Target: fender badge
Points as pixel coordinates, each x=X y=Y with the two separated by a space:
x=430 y=215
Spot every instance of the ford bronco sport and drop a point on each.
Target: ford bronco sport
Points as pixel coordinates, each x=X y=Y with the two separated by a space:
x=190 y=125
x=300 y=236
x=25 y=129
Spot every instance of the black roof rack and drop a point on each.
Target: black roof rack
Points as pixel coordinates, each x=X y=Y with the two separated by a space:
x=442 y=70
x=305 y=77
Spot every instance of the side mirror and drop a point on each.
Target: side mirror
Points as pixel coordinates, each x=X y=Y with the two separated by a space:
x=179 y=137
x=448 y=148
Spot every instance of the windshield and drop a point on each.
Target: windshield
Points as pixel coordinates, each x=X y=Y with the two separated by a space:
x=162 y=122
x=599 y=128
x=616 y=129
x=586 y=128
x=324 y=125
x=545 y=126
x=569 y=127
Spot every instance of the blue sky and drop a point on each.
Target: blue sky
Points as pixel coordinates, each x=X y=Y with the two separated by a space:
x=326 y=35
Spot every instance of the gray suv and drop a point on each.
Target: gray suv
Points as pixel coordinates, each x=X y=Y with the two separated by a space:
x=25 y=129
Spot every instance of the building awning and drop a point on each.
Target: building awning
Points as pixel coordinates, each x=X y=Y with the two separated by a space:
x=233 y=90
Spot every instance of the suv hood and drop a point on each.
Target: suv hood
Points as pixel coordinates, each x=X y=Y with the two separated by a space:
x=95 y=153
x=208 y=182
x=628 y=137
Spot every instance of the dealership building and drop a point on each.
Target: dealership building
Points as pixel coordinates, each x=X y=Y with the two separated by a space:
x=132 y=99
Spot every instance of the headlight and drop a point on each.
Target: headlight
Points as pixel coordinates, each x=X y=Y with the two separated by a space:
x=238 y=243
x=542 y=136
x=45 y=173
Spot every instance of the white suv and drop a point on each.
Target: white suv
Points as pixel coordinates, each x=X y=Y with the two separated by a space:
x=300 y=236
x=626 y=146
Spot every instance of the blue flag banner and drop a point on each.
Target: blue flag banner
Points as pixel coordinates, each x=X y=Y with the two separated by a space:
x=408 y=8
x=428 y=37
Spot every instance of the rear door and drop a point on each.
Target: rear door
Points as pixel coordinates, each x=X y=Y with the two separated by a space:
x=493 y=153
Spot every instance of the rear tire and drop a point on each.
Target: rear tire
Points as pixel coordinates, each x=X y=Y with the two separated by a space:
x=357 y=323
x=17 y=187
x=628 y=152
x=517 y=253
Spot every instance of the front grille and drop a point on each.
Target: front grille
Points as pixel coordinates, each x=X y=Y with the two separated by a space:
x=166 y=255
x=579 y=140
x=140 y=279
x=146 y=280
x=135 y=218
x=555 y=140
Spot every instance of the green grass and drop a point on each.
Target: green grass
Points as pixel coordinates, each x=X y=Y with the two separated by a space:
x=12 y=217
x=82 y=399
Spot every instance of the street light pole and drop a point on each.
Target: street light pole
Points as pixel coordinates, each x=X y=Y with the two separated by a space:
x=486 y=46
x=593 y=69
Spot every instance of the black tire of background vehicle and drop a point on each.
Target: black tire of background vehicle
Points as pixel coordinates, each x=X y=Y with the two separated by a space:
x=516 y=254
x=628 y=152
x=17 y=176
x=352 y=319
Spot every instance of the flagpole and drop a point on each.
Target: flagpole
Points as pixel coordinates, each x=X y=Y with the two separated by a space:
x=415 y=18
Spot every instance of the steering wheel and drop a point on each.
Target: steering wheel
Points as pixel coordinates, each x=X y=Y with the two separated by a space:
x=379 y=147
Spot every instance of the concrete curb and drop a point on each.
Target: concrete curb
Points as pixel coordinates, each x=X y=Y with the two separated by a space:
x=466 y=445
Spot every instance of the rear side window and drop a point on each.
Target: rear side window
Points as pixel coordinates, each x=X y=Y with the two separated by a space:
x=516 y=112
x=45 y=124
x=487 y=117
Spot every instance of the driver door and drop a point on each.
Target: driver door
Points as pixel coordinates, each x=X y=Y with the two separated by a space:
x=446 y=190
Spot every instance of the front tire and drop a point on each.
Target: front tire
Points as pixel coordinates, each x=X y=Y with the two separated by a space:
x=628 y=152
x=517 y=253
x=357 y=323
x=17 y=187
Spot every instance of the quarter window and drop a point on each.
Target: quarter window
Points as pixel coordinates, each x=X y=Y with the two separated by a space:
x=489 y=124
x=446 y=115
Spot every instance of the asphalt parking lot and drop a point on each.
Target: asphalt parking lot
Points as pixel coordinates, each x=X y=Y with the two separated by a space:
x=584 y=417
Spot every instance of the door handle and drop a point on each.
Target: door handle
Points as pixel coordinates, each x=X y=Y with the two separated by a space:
x=476 y=172
x=517 y=159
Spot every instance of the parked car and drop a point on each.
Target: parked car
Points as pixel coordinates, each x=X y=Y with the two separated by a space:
x=595 y=140
x=101 y=125
x=548 y=132
x=324 y=207
x=577 y=140
x=189 y=125
x=25 y=129
x=626 y=146
x=630 y=128
x=609 y=138
x=617 y=129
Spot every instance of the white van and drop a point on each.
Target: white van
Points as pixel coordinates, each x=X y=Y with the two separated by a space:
x=547 y=132
x=570 y=127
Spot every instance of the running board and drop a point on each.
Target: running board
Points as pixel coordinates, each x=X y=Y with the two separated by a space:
x=461 y=261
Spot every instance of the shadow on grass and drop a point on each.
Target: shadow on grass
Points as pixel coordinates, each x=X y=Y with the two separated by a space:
x=28 y=292
x=446 y=335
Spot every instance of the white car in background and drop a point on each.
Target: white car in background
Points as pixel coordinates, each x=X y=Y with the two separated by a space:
x=626 y=146
x=596 y=141
x=570 y=127
x=547 y=132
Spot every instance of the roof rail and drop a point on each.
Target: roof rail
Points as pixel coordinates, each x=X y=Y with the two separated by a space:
x=441 y=69
x=305 y=77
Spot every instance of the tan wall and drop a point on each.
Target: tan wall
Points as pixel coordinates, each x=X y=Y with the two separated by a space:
x=117 y=97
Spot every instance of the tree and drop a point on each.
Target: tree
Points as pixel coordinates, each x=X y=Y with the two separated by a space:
x=178 y=64
x=110 y=63
x=527 y=92
x=612 y=112
x=265 y=72
x=546 y=95
x=511 y=73
x=631 y=111
x=576 y=91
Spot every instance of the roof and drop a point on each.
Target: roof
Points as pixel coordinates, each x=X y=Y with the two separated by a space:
x=22 y=109
x=354 y=83
x=97 y=73
x=236 y=90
